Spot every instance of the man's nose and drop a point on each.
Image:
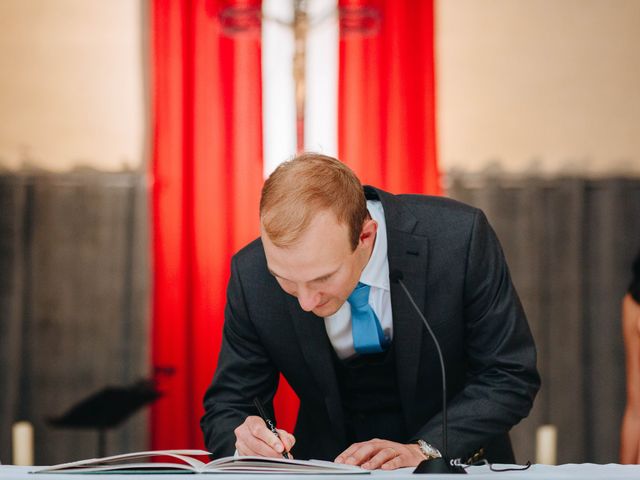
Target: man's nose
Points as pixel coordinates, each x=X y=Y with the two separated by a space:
x=308 y=299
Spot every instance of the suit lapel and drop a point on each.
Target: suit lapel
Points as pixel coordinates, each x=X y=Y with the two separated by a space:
x=407 y=253
x=317 y=352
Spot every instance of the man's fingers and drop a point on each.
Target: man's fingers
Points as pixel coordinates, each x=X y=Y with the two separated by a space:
x=287 y=439
x=383 y=454
x=348 y=452
x=242 y=449
x=380 y=458
x=260 y=431
x=396 y=462
x=361 y=454
x=343 y=456
x=255 y=447
x=254 y=438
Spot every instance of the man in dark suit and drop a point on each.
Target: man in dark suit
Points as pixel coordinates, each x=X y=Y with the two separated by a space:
x=312 y=299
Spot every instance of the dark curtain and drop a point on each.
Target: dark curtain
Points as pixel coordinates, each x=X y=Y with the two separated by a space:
x=74 y=291
x=73 y=303
x=569 y=243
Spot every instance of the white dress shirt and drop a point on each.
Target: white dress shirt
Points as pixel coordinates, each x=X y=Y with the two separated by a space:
x=376 y=275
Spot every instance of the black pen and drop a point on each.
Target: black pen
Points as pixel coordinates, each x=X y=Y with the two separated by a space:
x=270 y=424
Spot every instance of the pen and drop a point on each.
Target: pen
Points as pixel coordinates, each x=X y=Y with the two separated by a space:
x=272 y=427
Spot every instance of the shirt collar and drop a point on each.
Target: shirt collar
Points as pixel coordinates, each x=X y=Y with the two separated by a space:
x=376 y=272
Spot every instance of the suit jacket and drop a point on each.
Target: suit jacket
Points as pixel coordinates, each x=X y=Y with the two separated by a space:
x=453 y=266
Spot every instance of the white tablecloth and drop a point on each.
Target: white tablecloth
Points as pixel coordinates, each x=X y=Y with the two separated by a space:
x=568 y=471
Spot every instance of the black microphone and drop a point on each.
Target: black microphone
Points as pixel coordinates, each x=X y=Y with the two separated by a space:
x=443 y=464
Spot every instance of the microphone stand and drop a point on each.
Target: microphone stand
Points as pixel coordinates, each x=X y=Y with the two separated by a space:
x=444 y=463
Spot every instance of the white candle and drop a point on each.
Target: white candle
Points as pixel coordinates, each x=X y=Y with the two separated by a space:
x=547 y=444
x=22 y=437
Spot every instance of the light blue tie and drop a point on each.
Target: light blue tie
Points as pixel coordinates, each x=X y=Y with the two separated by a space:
x=368 y=336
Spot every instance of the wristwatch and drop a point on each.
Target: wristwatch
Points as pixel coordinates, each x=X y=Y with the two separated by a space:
x=428 y=450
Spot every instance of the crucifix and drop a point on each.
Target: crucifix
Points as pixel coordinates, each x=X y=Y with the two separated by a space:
x=300 y=31
x=353 y=19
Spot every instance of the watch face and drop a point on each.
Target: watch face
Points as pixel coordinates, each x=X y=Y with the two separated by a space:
x=428 y=450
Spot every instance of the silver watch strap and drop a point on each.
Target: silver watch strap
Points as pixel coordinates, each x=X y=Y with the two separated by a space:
x=429 y=450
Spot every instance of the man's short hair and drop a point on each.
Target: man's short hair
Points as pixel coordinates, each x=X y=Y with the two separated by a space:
x=300 y=188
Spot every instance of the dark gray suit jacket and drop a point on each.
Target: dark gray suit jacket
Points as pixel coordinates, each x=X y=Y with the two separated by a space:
x=453 y=265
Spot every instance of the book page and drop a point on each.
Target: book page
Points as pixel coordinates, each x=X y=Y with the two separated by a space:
x=279 y=465
x=127 y=460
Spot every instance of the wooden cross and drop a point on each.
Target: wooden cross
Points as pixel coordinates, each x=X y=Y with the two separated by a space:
x=360 y=20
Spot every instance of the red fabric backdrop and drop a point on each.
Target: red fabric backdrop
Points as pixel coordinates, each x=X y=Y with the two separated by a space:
x=386 y=103
x=207 y=169
x=207 y=175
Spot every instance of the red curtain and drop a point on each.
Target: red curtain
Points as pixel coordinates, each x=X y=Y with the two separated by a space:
x=207 y=175
x=207 y=167
x=386 y=94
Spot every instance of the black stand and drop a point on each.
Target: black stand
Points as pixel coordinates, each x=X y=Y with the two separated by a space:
x=438 y=465
x=107 y=408
x=102 y=443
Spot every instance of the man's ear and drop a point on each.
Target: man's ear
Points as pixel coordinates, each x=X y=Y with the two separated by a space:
x=368 y=233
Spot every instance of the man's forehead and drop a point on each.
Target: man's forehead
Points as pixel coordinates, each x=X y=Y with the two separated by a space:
x=297 y=276
x=310 y=258
x=314 y=262
x=302 y=266
x=324 y=227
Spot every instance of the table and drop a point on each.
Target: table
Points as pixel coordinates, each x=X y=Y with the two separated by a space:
x=559 y=472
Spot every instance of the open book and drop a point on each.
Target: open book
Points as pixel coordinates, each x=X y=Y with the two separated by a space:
x=177 y=461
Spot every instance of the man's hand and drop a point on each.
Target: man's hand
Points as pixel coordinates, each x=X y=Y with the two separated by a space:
x=382 y=454
x=254 y=438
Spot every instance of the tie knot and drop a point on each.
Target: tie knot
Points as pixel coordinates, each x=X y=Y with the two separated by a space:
x=359 y=298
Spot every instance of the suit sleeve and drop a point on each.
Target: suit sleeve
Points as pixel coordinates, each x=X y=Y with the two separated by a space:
x=502 y=378
x=244 y=371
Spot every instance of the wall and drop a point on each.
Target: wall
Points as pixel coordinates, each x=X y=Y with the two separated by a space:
x=540 y=84
x=545 y=84
x=73 y=245
x=72 y=84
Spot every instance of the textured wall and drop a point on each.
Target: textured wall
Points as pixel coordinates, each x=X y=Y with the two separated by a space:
x=531 y=84
x=569 y=244
x=72 y=88
x=74 y=303
x=539 y=84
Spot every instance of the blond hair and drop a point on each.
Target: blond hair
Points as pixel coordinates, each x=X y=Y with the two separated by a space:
x=300 y=188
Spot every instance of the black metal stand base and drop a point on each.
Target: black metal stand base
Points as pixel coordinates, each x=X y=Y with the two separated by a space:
x=438 y=465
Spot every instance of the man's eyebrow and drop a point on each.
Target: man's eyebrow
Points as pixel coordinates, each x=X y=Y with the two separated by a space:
x=322 y=277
